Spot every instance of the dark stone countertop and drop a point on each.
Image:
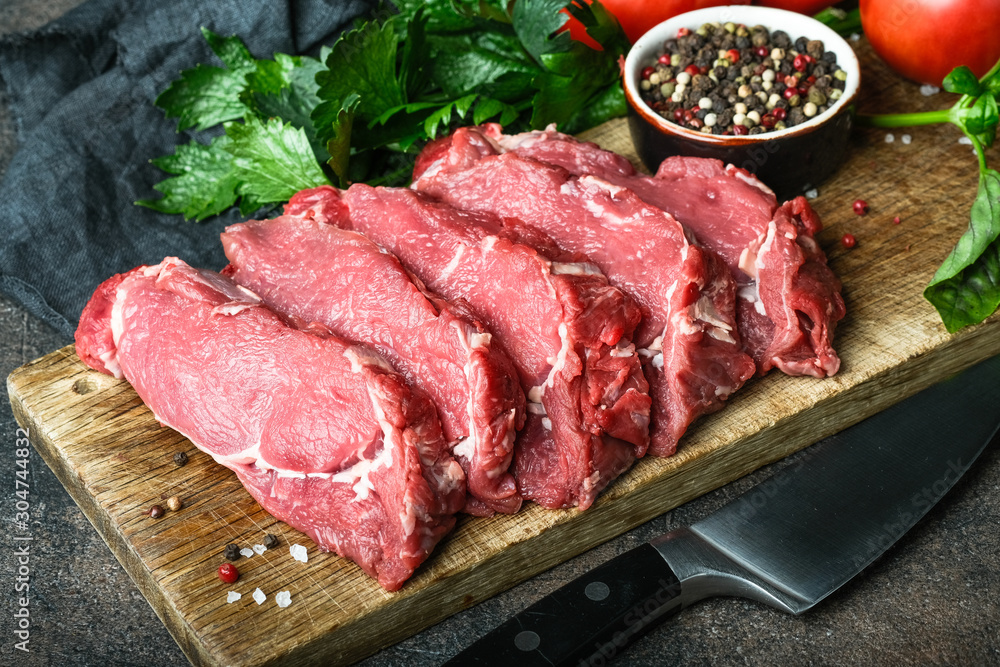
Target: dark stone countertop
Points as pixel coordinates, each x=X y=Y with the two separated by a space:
x=934 y=598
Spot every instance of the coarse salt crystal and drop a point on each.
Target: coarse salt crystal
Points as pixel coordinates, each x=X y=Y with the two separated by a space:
x=259 y=548
x=259 y=597
x=927 y=90
x=812 y=194
x=299 y=553
x=233 y=597
x=246 y=553
x=284 y=598
x=855 y=37
x=889 y=138
x=906 y=139
x=965 y=140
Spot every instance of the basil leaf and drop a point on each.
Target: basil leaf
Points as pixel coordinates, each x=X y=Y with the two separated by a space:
x=982 y=117
x=966 y=287
x=991 y=81
x=961 y=80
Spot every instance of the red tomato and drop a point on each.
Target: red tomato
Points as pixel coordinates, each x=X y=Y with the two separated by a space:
x=638 y=16
x=925 y=39
x=809 y=7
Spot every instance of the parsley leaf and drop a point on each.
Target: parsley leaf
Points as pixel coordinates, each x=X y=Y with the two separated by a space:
x=362 y=62
x=493 y=64
x=204 y=183
x=206 y=96
x=536 y=23
x=580 y=85
x=230 y=50
x=362 y=111
x=286 y=88
x=272 y=161
x=339 y=144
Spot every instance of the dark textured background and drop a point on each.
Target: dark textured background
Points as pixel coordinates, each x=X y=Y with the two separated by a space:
x=933 y=599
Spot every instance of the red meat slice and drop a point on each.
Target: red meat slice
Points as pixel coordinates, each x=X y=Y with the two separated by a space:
x=692 y=354
x=323 y=433
x=789 y=300
x=564 y=327
x=314 y=272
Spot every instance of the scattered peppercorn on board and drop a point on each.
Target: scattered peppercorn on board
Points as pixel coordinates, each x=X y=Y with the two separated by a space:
x=116 y=461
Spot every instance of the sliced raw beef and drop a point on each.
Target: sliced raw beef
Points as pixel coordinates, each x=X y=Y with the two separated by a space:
x=692 y=354
x=564 y=327
x=323 y=433
x=789 y=300
x=314 y=272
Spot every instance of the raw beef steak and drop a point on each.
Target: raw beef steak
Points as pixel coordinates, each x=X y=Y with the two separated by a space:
x=314 y=272
x=692 y=353
x=323 y=433
x=564 y=327
x=789 y=300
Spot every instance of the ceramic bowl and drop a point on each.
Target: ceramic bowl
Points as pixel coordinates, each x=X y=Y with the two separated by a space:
x=788 y=161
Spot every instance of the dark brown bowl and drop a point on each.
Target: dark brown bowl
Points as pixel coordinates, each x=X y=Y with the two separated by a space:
x=788 y=161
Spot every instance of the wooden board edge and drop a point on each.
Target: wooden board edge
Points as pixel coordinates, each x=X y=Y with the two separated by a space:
x=556 y=544
x=122 y=551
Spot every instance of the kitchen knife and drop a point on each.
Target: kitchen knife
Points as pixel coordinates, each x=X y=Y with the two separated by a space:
x=788 y=542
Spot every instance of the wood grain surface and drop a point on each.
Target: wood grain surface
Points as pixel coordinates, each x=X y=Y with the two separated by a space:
x=116 y=461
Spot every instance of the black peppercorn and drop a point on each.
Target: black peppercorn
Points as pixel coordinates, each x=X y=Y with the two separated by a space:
x=231 y=552
x=270 y=541
x=815 y=48
x=781 y=39
x=180 y=458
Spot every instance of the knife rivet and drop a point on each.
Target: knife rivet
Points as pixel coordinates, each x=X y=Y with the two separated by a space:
x=526 y=640
x=597 y=591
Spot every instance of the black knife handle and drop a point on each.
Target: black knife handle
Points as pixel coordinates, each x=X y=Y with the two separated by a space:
x=589 y=620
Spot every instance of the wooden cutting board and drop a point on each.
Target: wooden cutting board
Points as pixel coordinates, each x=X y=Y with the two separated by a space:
x=116 y=461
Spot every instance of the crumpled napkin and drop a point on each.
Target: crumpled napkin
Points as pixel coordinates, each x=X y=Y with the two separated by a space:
x=80 y=91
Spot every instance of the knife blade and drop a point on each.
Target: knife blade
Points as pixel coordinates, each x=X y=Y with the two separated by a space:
x=789 y=542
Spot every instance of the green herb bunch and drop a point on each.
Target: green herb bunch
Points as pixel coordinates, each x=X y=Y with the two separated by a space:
x=362 y=111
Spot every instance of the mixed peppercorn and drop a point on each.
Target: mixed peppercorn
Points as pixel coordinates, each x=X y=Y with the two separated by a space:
x=228 y=573
x=729 y=79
